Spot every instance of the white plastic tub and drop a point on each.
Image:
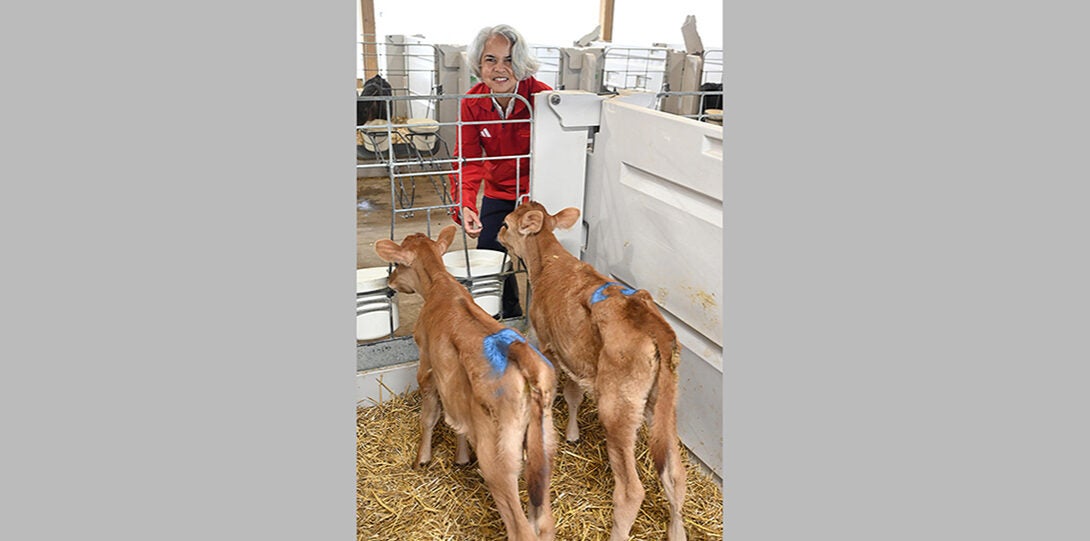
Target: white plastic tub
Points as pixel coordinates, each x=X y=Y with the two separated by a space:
x=481 y=262
x=424 y=133
x=374 y=310
x=376 y=136
x=485 y=265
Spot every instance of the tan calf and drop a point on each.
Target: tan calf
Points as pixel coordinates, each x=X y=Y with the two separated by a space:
x=613 y=343
x=496 y=390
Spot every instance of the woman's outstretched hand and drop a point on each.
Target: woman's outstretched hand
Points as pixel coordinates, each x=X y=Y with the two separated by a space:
x=471 y=222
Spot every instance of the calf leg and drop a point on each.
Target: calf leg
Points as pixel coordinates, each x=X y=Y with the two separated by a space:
x=429 y=415
x=573 y=395
x=621 y=419
x=461 y=456
x=673 y=484
x=500 y=469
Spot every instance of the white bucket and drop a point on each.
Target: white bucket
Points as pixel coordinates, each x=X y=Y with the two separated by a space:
x=488 y=294
x=376 y=136
x=487 y=288
x=373 y=309
x=423 y=130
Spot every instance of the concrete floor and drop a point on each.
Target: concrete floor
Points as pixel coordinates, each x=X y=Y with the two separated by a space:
x=373 y=215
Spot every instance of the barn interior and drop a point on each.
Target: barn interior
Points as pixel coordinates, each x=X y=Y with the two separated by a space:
x=409 y=91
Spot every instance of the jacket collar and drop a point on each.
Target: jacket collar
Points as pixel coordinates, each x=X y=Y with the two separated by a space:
x=523 y=89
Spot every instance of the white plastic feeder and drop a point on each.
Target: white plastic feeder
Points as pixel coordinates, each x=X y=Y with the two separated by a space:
x=376 y=137
x=487 y=287
x=424 y=133
x=374 y=310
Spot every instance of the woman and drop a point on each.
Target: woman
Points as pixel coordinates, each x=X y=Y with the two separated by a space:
x=501 y=60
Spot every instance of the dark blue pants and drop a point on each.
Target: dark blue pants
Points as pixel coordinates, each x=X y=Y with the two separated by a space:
x=493 y=211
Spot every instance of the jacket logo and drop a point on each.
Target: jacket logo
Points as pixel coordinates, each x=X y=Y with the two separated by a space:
x=484 y=133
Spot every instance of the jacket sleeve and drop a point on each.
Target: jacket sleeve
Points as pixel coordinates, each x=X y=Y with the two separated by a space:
x=473 y=173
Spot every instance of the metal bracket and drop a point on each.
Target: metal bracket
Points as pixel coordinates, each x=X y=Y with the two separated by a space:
x=576 y=108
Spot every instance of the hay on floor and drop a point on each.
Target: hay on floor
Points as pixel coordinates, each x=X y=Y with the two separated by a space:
x=444 y=501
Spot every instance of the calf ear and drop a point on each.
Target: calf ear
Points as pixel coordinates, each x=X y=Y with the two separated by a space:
x=446 y=236
x=566 y=218
x=390 y=252
x=531 y=222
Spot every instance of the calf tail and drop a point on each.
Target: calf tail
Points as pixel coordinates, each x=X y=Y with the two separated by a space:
x=663 y=437
x=540 y=434
x=664 y=444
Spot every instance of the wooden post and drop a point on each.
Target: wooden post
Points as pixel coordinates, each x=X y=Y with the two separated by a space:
x=605 y=18
x=370 y=50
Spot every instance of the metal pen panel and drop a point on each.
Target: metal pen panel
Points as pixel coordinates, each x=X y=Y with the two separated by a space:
x=634 y=68
x=393 y=146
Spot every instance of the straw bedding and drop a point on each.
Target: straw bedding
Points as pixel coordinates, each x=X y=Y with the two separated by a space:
x=444 y=501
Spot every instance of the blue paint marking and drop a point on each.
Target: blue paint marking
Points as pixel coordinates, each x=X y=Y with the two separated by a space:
x=497 y=345
x=600 y=293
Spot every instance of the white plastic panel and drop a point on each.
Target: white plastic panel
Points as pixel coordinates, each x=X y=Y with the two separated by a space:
x=453 y=80
x=654 y=213
x=581 y=69
x=562 y=122
x=654 y=210
x=379 y=385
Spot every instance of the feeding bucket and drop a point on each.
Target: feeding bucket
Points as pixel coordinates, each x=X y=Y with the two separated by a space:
x=423 y=132
x=376 y=136
x=487 y=287
x=374 y=309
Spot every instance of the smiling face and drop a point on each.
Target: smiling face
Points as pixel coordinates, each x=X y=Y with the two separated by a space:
x=496 y=70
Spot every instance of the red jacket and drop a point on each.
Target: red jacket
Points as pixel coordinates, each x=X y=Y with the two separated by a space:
x=502 y=139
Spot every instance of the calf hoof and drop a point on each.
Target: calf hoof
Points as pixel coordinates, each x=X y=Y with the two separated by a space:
x=423 y=456
x=671 y=536
x=571 y=433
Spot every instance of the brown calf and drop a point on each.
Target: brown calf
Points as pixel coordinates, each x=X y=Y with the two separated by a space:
x=496 y=390
x=612 y=342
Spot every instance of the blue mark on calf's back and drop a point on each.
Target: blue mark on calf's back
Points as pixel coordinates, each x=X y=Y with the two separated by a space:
x=600 y=293
x=497 y=345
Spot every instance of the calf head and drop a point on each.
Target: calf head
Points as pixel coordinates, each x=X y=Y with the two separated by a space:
x=409 y=257
x=529 y=219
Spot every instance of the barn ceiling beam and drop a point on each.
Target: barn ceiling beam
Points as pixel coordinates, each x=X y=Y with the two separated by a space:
x=605 y=18
x=370 y=50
